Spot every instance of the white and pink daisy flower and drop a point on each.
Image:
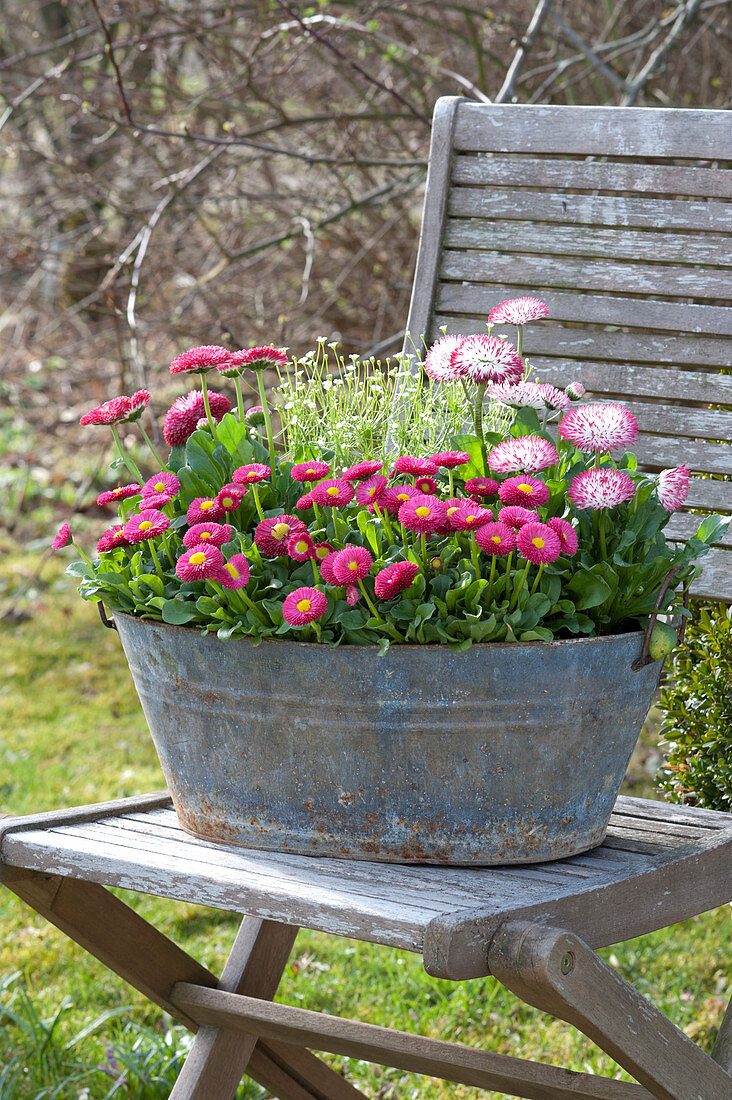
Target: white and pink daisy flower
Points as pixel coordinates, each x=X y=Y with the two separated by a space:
x=555 y=399
x=484 y=359
x=438 y=360
x=575 y=390
x=602 y=428
x=527 y=453
x=518 y=311
x=672 y=487
x=518 y=395
x=601 y=488
x=304 y=606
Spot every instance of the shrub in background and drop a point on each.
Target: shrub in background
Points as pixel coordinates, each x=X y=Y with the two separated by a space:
x=696 y=703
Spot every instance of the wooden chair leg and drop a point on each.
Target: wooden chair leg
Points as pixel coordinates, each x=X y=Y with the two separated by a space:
x=558 y=973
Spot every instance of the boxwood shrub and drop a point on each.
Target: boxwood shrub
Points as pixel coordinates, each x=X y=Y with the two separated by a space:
x=696 y=704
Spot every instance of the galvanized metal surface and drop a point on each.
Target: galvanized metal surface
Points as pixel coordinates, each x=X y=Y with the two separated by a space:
x=502 y=754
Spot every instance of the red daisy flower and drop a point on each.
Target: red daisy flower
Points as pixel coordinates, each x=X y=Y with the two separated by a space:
x=111 y=412
x=450 y=460
x=300 y=547
x=394 y=578
x=538 y=543
x=310 y=471
x=335 y=492
x=122 y=492
x=438 y=361
x=113 y=536
x=63 y=538
x=304 y=605
x=326 y=568
x=426 y=485
x=515 y=516
x=273 y=535
x=566 y=534
x=200 y=359
x=395 y=496
x=156 y=500
x=497 y=539
x=183 y=415
x=322 y=549
x=672 y=487
x=260 y=358
x=481 y=486
x=599 y=427
x=202 y=509
x=235 y=572
x=601 y=488
x=467 y=518
x=229 y=497
x=214 y=533
x=417 y=467
x=255 y=471
x=304 y=502
x=529 y=453
x=423 y=514
x=484 y=359
x=524 y=490
x=147 y=524
x=200 y=563
x=361 y=470
x=371 y=490
x=352 y=564
x=518 y=311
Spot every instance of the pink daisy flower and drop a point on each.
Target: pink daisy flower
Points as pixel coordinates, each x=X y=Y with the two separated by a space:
x=496 y=538
x=515 y=516
x=203 y=508
x=598 y=427
x=426 y=485
x=361 y=470
x=423 y=514
x=468 y=519
x=113 y=536
x=450 y=460
x=484 y=359
x=255 y=471
x=200 y=359
x=395 y=496
x=273 y=535
x=214 y=533
x=229 y=497
x=518 y=311
x=566 y=534
x=138 y=403
x=394 y=578
x=529 y=453
x=352 y=564
x=417 y=467
x=300 y=547
x=371 y=489
x=575 y=390
x=304 y=502
x=63 y=538
x=435 y=563
x=260 y=358
x=334 y=492
x=481 y=486
x=322 y=550
x=182 y=417
x=111 y=412
x=147 y=524
x=235 y=572
x=310 y=471
x=156 y=500
x=200 y=563
x=326 y=568
x=555 y=399
x=518 y=395
x=524 y=490
x=351 y=595
x=161 y=483
x=601 y=488
x=672 y=487
x=304 y=605
x=438 y=361
x=538 y=543
x=122 y=492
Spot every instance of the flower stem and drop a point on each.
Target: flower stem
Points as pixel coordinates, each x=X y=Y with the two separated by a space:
x=132 y=468
x=450 y=480
x=239 y=399
x=519 y=586
x=490 y=582
x=267 y=422
x=149 y=442
x=474 y=555
x=207 y=406
x=253 y=607
x=83 y=554
x=478 y=410
x=385 y=523
x=382 y=622
x=316 y=574
x=257 y=503
x=535 y=585
x=603 y=544
x=155 y=558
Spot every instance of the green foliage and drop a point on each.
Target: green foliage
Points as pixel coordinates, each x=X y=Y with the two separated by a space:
x=697 y=706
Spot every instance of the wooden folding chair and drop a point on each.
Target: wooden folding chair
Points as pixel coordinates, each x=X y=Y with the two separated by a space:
x=626 y=204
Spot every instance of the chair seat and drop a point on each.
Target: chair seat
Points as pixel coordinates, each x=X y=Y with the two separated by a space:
x=658 y=864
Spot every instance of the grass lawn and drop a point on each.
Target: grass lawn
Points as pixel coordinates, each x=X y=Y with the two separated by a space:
x=71 y=732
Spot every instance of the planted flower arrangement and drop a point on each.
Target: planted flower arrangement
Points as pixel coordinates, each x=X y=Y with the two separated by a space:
x=395 y=736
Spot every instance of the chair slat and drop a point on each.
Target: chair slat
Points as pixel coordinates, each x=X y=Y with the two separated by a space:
x=642 y=132
x=708 y=388
x=658 y=452
x=715 y=583
x=522 y=171
x=683 y=526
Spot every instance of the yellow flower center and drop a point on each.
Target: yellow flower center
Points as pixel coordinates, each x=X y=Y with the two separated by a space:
x=353 y=565
x=251 y=473
x=303 y=605
x=422 y=511
x=469 y=519
x=311 y=471
x=227 y=502
x=301 y=547
x=496 y=539
x=145 y=525
x=206 y=504
x=322 y=552
x=205 y=535
x=455 y=508
x=402 y=496
x=197 y=559
x=525 y=488
x=280 y=530
x=538 y=542
x=372 y=490
x=159 y=486
x=231 y=569
x=332 y=490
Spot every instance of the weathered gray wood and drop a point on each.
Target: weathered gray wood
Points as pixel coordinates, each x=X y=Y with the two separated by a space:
x=218 y=1058
x=520 y=170
x=722 y=1049
x=95 y=811
x=641 y=132
x=612 y=210
x=558 y=973
x=468 y=256
x=665 y=383
x=715 y=582
x=289 y=1068
x=414 y=1053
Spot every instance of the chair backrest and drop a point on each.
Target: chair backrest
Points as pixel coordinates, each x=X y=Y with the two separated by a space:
x=619 y=218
